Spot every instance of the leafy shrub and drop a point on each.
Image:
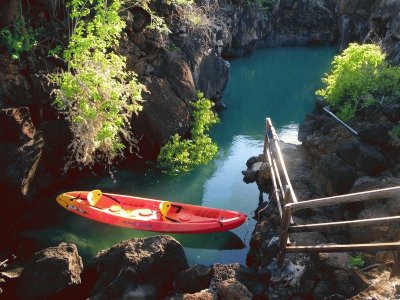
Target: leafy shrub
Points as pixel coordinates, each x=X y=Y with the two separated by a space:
x=360 y=76
x=396 y=131
x=19 y=39
x=96 y=94
x=356 y=261
x=183 y=155
x=157 y=22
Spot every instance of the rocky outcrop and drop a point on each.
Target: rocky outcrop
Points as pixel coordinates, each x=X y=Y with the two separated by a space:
x=141 y=268
x=340 y=157
x=53 y=271
x=137 y=267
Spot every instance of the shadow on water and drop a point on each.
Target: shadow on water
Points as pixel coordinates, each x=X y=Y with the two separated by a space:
x=91 y=237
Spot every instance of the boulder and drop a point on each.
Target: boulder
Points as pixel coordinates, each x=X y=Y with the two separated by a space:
x=231 y=289
x=194 y=279
x=323 y=289
x=224 y=272
x=334 y=261
x=142 y=265
x=371 y=233
x=359 y=280
x=392 y=112
x=376 y=134
x=250 y=175
x=308 y=238
x=393 y=206
x=342 y=175
x=343 y=284
x=366 y=157
x=50 y=273
x=202 y=295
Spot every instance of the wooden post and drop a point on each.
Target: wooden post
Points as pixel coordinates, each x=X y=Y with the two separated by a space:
x=285 y=222
x=396 y=265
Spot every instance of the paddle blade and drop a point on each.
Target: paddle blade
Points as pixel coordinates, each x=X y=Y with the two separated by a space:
x=94 y=196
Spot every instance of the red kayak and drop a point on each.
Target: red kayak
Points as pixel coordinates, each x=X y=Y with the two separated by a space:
x=149 y=214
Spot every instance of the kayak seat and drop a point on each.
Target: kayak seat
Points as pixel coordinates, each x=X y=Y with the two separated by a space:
x=142 y=212
x=115 y=208
x=184 y=217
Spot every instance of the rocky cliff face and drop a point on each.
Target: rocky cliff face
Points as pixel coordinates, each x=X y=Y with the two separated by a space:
x=371 y=21
x=294 y=22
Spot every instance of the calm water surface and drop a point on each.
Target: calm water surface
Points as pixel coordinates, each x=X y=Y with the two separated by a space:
x=278 y=83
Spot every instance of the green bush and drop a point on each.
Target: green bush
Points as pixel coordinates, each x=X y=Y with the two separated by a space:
x=360 y=76
x=96 y=94
x=183 y=155
x=19 y=39
x=396 y=131
x=356 y=261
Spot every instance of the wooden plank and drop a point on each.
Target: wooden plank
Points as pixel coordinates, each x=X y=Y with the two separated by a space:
x=344 y=248
x=280 y=158
x=349 y=198
x=283 y=236
x=353 y=223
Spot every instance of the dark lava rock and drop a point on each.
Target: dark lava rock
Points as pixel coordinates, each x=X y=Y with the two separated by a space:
x=370 y=160
x=377 y=134
x=323 y=289
x=392 y=112
x=50 y=272
x=143 y=267
x=343 y=284
x=348 y=150
x=232 y=290
x=194 y=279
x=163 y=115
x=341 y=174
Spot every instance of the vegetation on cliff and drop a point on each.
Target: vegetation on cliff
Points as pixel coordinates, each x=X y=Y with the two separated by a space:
x=360 y=77
x=183 y=155
x=96 y=94
x=19 y=38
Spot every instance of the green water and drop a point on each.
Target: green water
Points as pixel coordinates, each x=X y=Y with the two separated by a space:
x=278 y=83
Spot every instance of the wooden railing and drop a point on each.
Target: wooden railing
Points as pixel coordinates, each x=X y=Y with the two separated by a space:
x=287 y=204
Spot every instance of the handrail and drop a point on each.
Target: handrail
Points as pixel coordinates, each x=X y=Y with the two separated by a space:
x=280 y=158
x=348 y=198
x=290 y=204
